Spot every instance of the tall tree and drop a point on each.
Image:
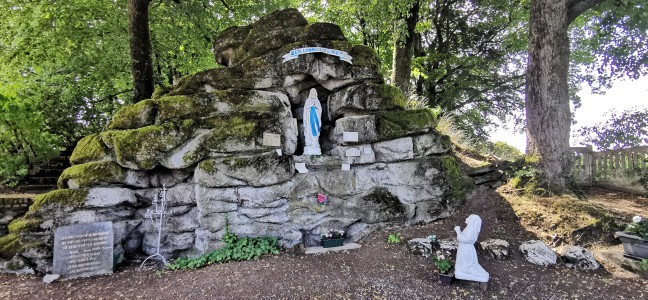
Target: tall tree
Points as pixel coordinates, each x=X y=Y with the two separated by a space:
x=140 y=49
x=547 y=91
x=404 y=48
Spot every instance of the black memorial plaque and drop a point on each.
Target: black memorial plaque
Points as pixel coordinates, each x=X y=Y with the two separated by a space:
x=83 y=250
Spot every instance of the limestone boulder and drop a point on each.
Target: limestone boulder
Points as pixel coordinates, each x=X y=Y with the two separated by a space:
x=449 y=245
x=421 y=246
x=90 y=149
x=496 y=248
x=368 y=97
x=364 y=125
x=258 y=170
x=538 y=253
x=578 y=257
x=394 y=150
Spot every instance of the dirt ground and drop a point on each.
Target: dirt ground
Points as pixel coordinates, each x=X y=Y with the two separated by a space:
x=378 y=270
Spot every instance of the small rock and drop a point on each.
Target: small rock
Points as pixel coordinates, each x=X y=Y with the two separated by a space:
x=498 y=249
x=420 y=246
x=448 y=245
x=578 y=257
x=49 y=278
x=18 y=265
x=536 y=252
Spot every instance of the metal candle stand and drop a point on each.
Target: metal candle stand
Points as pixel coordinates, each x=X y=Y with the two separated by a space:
x=156 y=217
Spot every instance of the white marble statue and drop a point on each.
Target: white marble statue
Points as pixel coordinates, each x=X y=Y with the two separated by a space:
x=312 y=124
x=467 y=267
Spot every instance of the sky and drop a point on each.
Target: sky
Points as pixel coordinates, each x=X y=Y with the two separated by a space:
x=623 y=94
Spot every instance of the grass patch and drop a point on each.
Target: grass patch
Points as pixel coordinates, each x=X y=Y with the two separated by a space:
x=575 y=221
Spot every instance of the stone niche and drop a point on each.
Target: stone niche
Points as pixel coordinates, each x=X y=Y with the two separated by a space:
x=204 y=140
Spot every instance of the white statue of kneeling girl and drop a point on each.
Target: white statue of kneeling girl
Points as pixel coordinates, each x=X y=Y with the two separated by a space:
x=467 y=267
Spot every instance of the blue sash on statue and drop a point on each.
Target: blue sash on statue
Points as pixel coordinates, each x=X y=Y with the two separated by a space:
x=314 y=121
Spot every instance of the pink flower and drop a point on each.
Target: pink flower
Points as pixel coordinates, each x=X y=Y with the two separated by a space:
x=321 y=198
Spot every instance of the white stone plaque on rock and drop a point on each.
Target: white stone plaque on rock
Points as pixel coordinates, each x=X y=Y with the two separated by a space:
x=271 y=139
x=301 y=167
x=353 y=152
x=366 y=150
x=350 y=137
x=83 y=250
x=279 y=152
x=346 y=167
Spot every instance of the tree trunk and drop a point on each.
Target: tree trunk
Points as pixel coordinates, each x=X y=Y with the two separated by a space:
x=403 y=51
x=140 y=49
x=547 y=92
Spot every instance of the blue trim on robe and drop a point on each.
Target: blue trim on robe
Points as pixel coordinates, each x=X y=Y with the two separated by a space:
x=314 y=121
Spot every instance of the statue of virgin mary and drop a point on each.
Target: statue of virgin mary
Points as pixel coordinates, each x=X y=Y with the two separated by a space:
x=312 y=124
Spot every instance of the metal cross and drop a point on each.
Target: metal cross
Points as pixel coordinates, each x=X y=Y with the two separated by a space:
x=156 y=216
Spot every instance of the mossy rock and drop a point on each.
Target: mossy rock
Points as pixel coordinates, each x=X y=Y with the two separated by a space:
x=160 y=91
x=92 y=174
x=385 y=207
x=144 y=148
x=89 y=149
x=136 y=115
x=10 y=245
x=220 y=102
x=20 y=225
x=322 y=31
x=460 y=183
x=65 y=197
x=207 y=81
x=172 y=108
x=254 y=170
x=365 y=97
x=393 y=124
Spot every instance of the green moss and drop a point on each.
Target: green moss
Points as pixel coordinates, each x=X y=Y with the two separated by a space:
x=172 y=108
x=364 y=56
x=386 y=202
x=9 y=246
x=143 y=148
x=394 y=94
x=17 y=226
x=209 y=166
x=461 y=185
x=393 y=124
x=90 y=174
x=88 y=149
x=160 y=91
x=136 y=115
x=65 y=197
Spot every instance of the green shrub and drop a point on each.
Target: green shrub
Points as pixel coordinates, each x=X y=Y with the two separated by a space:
x=394 y=238
x=236 y=249
x=639 y=229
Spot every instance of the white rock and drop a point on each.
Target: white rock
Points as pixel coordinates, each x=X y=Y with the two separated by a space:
x=449 y=245
x=537 y=252
x=496 y=248
x=394 y=150
x=108 y=197
x=578 y=257
x=49 y=278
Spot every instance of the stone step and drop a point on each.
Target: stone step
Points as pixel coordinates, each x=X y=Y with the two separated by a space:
x=35 y=188
x=320 y=249
x=43 y=180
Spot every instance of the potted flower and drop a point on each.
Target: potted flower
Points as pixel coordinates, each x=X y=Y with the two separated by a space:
x=635 y=238
x=442 y=261
x=333 y=238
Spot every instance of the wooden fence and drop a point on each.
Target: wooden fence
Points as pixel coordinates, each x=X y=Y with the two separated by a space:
x=614 y=169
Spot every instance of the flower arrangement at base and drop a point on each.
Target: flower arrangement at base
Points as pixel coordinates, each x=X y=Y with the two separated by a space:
x=635 y=239
x=638 y=227
x=333 y=238
x=442 y=261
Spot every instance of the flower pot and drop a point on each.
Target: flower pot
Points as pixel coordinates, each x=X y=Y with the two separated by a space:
x=446 y=279
x=633 y=246
x=332 y=243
